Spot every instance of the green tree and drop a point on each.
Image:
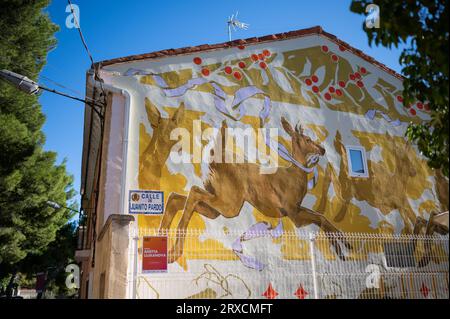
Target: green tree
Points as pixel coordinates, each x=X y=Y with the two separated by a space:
x=53 y=260
x=29 y=176
x=422 y=26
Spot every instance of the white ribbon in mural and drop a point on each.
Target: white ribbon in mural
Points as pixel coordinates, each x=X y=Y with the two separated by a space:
x=257 y=230
x=371 y=115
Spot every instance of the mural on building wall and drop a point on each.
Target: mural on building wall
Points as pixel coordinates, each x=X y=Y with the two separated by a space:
x=321 y=98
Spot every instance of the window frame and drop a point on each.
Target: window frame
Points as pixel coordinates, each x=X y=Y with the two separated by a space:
x=351 y=172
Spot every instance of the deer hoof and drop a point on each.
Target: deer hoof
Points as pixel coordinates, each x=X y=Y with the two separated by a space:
x=173 y=256
x=347 y=245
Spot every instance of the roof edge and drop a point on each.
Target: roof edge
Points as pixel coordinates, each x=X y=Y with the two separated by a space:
x=249 y=41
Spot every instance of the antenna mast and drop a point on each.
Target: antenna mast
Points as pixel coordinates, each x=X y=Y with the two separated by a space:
x=234 y=23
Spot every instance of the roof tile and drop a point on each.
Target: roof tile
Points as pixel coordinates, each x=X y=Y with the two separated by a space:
x=254 y=40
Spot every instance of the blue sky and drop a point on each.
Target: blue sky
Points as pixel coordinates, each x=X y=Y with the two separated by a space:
x=119 y=28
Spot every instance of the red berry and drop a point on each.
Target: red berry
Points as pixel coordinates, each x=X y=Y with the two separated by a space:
x=315 y=89
x=228 y=70
x=263 y=65
x=197 y=60
x=420 y=105
x=237 y=75
x=338 y=92
x=334 y=57
x=324 y=48
x=360 y=84
x=342 y=48
x=242 y=65
x=352 y=77
x=342 y=84
x=363 y=70
x=327 y=96
x=261 y=56
x=308 y=81
x=412 y=111
x=266 y=52
x=315 y=78
x=331 y=89
x=357 y=75
x=399 y=98
x=255 y=57
x=241 y=47
x=205 y=71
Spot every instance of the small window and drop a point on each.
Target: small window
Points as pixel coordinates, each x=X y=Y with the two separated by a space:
x=357 y=163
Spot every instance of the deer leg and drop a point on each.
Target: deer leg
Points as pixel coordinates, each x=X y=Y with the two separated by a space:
x=175 y=203
x=420 y=223
x=326 y=185
x=345 y=202
x=342 y=212
x=418 y=226
x=305 y=216
x=196 y=195
x=337 y=186
x=409 y=216
x=430 y=225
x=203 y=209
x=206 y=210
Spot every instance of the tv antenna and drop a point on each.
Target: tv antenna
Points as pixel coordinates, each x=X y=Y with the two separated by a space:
x=234 y=23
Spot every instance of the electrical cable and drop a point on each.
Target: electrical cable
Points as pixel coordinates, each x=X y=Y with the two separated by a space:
x=100 y=154
x=77 y=25
x=87 y=99
x=45 y=78
x=87 y=50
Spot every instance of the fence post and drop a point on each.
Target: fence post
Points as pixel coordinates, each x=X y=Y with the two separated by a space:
x=135 y=264
x=312 y=238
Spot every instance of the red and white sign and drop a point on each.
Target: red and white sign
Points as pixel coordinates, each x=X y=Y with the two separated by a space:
x=154 y=254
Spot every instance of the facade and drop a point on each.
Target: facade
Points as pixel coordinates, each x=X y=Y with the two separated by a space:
x=318 y=131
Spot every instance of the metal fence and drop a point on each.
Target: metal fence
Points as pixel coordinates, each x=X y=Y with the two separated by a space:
x=288 y=264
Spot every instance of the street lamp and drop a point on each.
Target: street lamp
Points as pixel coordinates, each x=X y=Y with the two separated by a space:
x=55 y=205
x=31 y=87
x=81 y=225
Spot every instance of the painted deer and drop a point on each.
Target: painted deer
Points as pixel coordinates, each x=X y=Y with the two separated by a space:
x=158 y=149
x=383 y=190
x=437 y=223
x=229 y=185
x=442 y=189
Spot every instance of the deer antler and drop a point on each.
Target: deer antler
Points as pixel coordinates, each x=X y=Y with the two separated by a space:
x=299 y=129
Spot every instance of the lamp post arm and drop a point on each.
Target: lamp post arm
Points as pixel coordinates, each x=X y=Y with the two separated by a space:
x=31 y=87
x=91 y=104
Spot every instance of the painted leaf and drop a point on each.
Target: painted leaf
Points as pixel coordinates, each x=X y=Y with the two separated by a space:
x=306 y=68
x=305 y=94
x=320 y=73
x=265 y=77
x=278 y=61
x=370 y=82
x=282 y=80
